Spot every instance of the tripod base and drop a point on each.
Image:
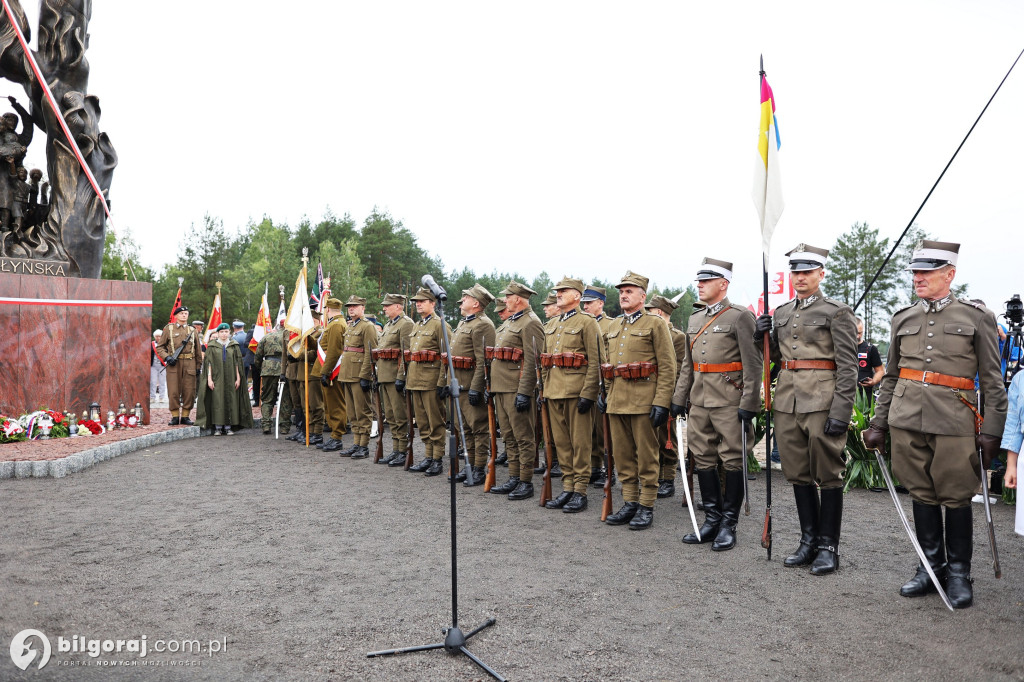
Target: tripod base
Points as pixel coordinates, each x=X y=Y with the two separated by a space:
x=454 y=643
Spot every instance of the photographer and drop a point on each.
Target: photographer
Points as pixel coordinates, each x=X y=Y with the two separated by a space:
x=869 y=365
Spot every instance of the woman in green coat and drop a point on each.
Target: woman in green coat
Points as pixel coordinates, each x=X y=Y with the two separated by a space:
x=223 y=398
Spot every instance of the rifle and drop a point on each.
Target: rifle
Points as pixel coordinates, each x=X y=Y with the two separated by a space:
x=408 y=409
x=175 y=354
x=380 y=413
x=545 y=421
x=606 y=504
x=492 y=428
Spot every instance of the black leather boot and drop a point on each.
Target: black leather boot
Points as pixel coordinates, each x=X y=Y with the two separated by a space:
x=475 y=476
x=502 y=459
x=460 y=477
x=711 y=495
x=602 y=476
x=560 y=501
x=174 y=422
x=420 y=466
x=959 y=548
x=666 y=488
x=435 y=468
x=624 y=515
x=643 y=519
x=556 y=470
x=928 y=524
x=576 y=504
x=807 y=509
x=506 y=487
x=347 y=452
x=595 y=476
x=396 y=459
x=829 y=525
x=522 y=491
x=726 y=538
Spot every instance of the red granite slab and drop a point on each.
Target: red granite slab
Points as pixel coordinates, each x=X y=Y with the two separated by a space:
x=41 y=342
x=86 y=346
x=12 y=389
x=129 y=345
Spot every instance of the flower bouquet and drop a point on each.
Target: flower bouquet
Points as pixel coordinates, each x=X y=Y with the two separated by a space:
x=88 y=426
x=11 y=430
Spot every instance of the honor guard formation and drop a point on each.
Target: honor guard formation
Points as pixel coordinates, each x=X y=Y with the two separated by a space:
x=584 y=385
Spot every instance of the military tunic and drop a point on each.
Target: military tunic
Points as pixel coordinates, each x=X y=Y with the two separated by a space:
x=267 y=360
x=422 y=378
x=395 y=336
x=933 y=447
x=332 y=345
x=470 y=339
x=574 y=332
x=726 y=376
x=638 y=337
x=597 y=442
x=181 y=378
x=356 y=364
x=511 y=377
x=668 y=457
x=809 y=329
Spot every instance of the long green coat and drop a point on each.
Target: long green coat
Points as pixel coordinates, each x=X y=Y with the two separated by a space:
x=224 y=405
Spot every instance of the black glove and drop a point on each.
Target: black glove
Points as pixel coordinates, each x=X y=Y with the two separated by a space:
x=365 y=385
x=874 y=438
x=283 y=378
x=522 y=402
x=762 y=326
x=324 y=381
x=602 y=404
x=746 y=415
x=989 y=446
x=443 y=392
x=400 y=386
x=659 y=415
x=678 y=410
x=487 y=396
x=583 y=405
x=171 y=362
x=375 y=385
x=834 y=427
x=475 y=398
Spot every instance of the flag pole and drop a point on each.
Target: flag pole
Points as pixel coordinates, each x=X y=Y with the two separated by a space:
x=766 y=532
x=305 y=349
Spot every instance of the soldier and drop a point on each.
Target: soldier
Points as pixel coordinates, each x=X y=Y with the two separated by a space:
x=513 y=383
x=643 y=366
x=571 y=360
x=503 y=314
x=927 y=403
x=593 y=301
x=469 y=342
x=316 y=400
x=813 y=339
x=356 y=376
x=293 y=373
x=668 y=447
x=423 y=378
x=724 y=397
x=550 y=307
x=332 y=345
x=268 y=362
x=391 y=375
x=181 y=371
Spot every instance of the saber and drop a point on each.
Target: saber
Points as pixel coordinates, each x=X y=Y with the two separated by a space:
x=277 y=419
x=978 y=419
x=746 y=489
x=686 y=488
x=891 y=487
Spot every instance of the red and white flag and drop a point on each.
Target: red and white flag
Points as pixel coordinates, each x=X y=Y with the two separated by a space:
x=264 y=325
x=215 y=319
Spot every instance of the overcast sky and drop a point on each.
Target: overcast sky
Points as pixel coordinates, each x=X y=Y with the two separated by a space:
x=580 y=138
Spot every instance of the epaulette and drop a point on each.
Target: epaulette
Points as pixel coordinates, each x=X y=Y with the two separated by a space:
x=836 y=303
x=971 y=303
x=737 y=306
x=904 y=309
x=791 y=302
x=589 y=314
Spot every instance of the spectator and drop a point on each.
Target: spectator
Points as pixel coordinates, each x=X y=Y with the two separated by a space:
x=157 y=374
x=223 y=399
x=869 y=365
x=1013 y=437
x=242 y=339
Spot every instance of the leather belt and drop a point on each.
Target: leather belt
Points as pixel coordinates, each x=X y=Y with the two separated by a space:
x=350 y=349
x=723 y=367
x=186 y=357
x=633 y=371
x=460 y=361
x=505 y=353
x=936 y=378
x=564 y=360
x=808 y=364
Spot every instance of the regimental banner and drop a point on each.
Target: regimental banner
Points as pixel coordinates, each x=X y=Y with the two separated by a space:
x=47 y=268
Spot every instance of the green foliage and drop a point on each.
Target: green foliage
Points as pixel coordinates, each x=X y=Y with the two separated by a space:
x=862 y=469
x=392 y=259
x=121 y=258
x=853 y=261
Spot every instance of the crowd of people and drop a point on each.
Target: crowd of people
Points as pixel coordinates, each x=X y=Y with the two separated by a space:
x=580 y=367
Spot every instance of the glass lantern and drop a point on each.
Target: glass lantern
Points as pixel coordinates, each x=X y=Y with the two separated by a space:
x=95 y=412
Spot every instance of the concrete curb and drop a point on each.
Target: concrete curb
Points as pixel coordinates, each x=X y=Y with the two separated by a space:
x=80 y=461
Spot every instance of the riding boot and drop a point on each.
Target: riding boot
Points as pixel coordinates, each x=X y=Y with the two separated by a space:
x=807 y=509
x=711 y=494
x=829 y=525
x=959 y=547
x=928 y=523
x=726 y=537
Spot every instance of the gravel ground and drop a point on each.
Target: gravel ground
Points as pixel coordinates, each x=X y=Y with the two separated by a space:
x=303 y=562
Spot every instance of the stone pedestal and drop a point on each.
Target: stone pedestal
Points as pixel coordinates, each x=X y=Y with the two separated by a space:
x=65 y=343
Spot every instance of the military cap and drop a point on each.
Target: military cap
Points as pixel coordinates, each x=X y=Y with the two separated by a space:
x=805 y=257
x=393 y=299
x=373 y=318
x=550 y=300
x=713 y=269
x=355 y=300
x=223 y=326
x=570 y=283
x=423 y=294
x=334 y=303
x=661 y=303
x=197 y=323
x=180 y=309
x=593 y=293
x=499 y=305
x=238 y=323
x=480 y=293
x=631 y=279
x=934 y=255
x=517 y=289
x=314 y=312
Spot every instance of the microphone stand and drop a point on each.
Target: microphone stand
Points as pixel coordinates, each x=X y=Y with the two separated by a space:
x=454 y=640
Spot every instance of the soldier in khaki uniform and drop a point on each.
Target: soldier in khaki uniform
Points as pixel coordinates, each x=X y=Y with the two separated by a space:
x=928 y=404
x=668 y=444
x=181 y=372
x=469 y=343
x=639 y=394
x=550 y=308
x=293 y=372
x=593 y=301
x=356 y=376
x=723 y=395
x=503 y=314
x=814 y=341
x=571 y=362
x=391 y=375
x=332 y=346
x=316 y=403
x=269 y=363
x=424 y=379
x=514 y=383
